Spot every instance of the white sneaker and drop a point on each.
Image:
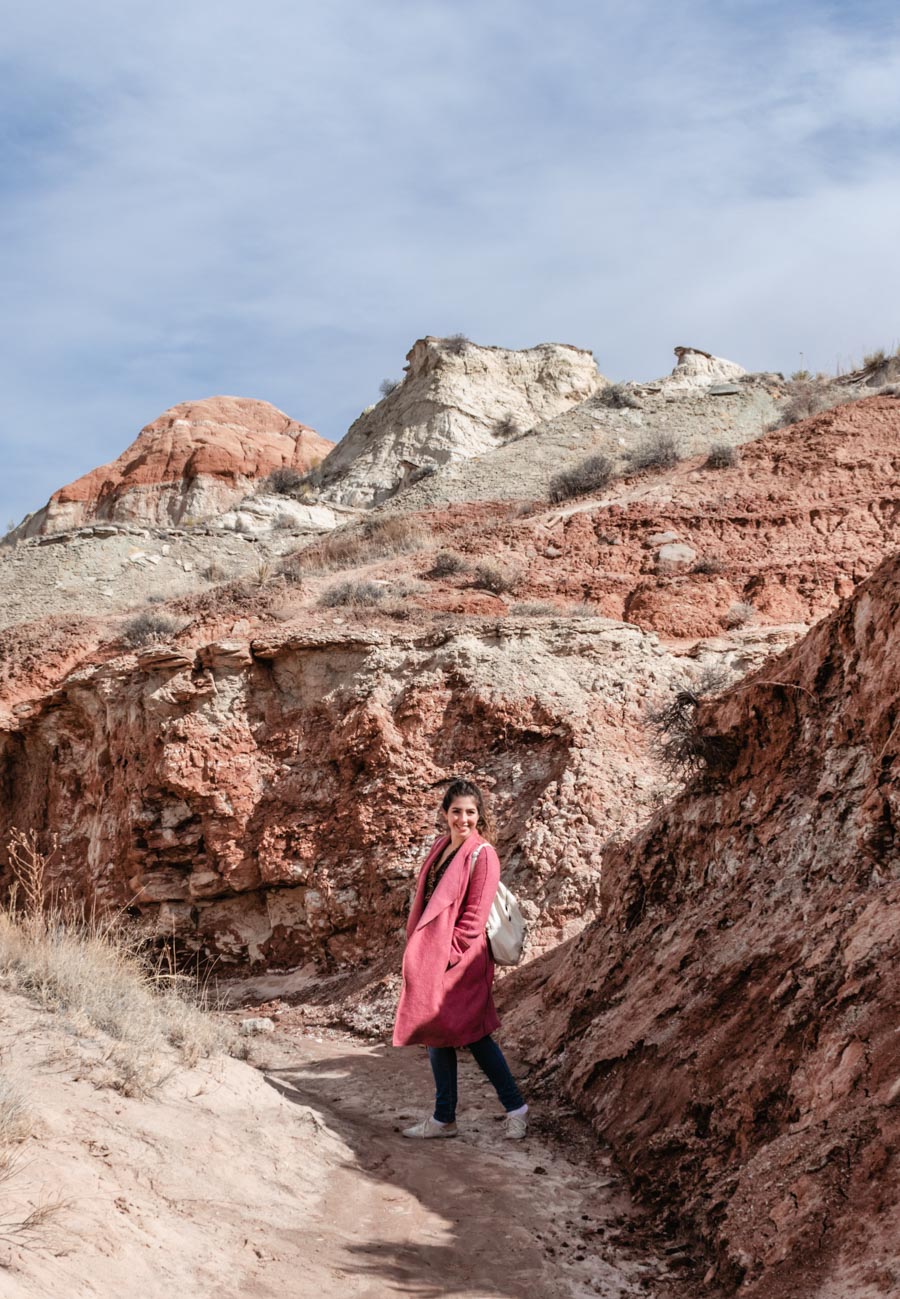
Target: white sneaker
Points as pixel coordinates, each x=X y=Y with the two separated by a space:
x=515 y=1127
x=431 y=1128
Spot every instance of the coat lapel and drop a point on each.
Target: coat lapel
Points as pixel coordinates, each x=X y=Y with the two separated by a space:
x=449 y=886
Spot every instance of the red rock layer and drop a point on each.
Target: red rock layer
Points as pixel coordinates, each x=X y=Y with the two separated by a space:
x=230 y=441
x=807 y=512
x=731 y=1022
x=268 y=799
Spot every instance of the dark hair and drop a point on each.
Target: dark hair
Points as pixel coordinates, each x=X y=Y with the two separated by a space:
x=460 y=788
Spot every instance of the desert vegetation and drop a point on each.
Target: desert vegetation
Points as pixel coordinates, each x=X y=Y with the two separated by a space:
x=148 y=628
x=448 y=563
x=387 y=386
x=496 y=579
x=657 y=450
x=456 y=344
x=684 y=747
x=363 y=543
x=619 y=396
x=352 y=594
x=105 y=976
x=591 y=475
x=722 y=455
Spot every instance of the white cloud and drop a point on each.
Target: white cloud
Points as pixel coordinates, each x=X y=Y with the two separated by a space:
x=276 y=200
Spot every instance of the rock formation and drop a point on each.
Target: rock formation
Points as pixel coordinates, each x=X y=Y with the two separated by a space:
x=457 y=400
x=237 y=791
x=697 y=369
x=730 y=1022
x=196 y=460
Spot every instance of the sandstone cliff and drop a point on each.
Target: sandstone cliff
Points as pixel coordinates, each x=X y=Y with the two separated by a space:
x=268 y=800
x=457 y=400
x=730 y=1022
x=195 y=460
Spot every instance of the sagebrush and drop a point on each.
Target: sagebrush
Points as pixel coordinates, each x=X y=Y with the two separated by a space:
x=589 y=475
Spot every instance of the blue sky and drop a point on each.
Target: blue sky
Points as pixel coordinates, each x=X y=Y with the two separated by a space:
x=275 y=200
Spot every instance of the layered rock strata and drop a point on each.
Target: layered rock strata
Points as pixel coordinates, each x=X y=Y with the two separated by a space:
x=196 y=460
x=457 y=400
x=269 y=800
x=730 y=1022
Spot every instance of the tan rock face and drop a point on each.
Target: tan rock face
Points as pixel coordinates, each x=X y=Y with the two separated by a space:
x=454 y=403
x=730 y=1024
x=196 y=460
x=270 y=801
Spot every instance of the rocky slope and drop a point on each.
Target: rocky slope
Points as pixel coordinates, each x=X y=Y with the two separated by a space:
x=457 y=400
x=194 y=461
x=730 y=1022
x=236 y=791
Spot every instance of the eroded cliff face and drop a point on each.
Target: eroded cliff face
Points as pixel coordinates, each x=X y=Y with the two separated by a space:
x=196 y=460
x=730 y=1023
x=268 y=800
x=457 y=400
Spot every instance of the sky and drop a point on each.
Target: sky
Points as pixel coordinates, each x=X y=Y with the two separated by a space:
x=276 y=200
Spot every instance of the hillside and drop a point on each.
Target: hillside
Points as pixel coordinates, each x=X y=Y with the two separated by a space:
x=729 y=1024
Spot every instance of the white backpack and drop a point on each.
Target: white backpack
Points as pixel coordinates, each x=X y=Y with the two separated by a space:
x=505 y=926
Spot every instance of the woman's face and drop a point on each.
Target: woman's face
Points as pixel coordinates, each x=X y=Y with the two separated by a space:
x=462 y=817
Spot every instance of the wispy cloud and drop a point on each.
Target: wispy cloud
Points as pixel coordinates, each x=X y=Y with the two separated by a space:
x=276 y=200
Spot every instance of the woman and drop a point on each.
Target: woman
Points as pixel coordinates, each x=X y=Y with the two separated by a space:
x=446 y=999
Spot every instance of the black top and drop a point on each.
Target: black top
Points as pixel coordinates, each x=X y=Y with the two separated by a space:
x=436 y=870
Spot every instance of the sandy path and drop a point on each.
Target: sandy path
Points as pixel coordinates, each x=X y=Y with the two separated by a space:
x=290 y=1180
x=477 y=1217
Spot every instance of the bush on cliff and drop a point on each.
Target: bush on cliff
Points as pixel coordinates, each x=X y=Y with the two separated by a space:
x=590 y=475
x=148 y=627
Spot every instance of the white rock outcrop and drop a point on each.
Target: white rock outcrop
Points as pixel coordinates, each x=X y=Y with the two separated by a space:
x=257 y=515
x=697 y=369
x=458 y=400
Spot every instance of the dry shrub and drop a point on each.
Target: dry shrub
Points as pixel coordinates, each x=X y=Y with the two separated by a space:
x=618 y=396
x=101 y=975
x=507 y=428
x=387 y=386
x=447 y=563
x=148 y=627
x=584 y=609
x=456 y=344
x=722 y=456
x=364 y=543
x=16 y=1120
x=657 y=450
x=499 y=581
x=536 y=609
x=708 y=564
x=590 y=475
x=684 y=749
x=284 y=481
x=352 y=594
x=808 y=398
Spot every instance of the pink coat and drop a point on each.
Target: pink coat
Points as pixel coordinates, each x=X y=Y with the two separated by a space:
x=447 y=967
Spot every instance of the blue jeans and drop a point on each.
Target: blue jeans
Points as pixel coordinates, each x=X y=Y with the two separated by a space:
x=490 y=1060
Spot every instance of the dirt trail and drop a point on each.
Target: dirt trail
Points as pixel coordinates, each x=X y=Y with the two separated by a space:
x=478 y=1217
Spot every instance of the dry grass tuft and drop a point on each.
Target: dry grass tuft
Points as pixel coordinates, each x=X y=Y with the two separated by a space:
x=499 y=581
x=657 y=450
x=363 y=544
x=447 y=563
x=148 y=628
x=722 y=456
x=352 y=595
x=98 y=973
